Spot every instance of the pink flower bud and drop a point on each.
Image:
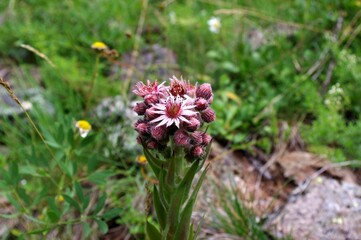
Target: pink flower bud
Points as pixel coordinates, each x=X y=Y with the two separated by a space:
x=204 y=91
x=150 y=114
x=142 y=128
x=197 y=137
x=201 y=104
x=208 y=115
x=181 y=138
x=139 y=140
x=210 y=100
x=192 y=125
x=158 y=133
x=206 y=139
x=140 y=108
x=152 y=144
x=197 y=151
x=151 y=99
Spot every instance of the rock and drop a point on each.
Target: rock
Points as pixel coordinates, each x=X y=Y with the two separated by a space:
x=328 y=210
x=119 y=119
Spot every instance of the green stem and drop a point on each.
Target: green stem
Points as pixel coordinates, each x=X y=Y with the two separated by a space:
x=95 y=75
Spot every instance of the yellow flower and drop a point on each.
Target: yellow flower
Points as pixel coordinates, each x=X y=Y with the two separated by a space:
x=84 y=127
x=100 y=46
x=141 y=159
x=60 y=198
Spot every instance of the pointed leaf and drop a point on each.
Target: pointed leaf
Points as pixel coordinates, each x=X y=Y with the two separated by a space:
x=72 y=202
x=183 y=229
x=159 y=208
x=86 y=229
x=103 y=227
x=152 y=232
x=100 y=204
x=79 y=191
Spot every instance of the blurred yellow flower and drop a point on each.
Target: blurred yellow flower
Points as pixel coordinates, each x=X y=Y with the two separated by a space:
x=141 y=159
x=100 y=46
x=60 y=198
x=84 y=127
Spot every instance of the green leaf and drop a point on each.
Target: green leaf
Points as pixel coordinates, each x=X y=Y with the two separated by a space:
x=86 y=229
x=13 y=202
x=152 y=161
x=79 y=191
x=100 y=177
x=22 y=194
x=53 y=216
x=100 y=204
x=10 y=216
x=159 y=208
x=183 y=227
x=164 y=191
x=4 y=185
x=14 y=173
x=152 y=232
x=72 y=202
x=188 y=179
x=53 y=144
x=86 y=201
x=111 y=214
x=103 y=227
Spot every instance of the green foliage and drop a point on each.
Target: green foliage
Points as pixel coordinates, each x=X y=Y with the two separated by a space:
x=256 y=87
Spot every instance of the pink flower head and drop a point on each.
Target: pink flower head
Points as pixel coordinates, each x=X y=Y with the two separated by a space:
x=158 y=133
x=140 y=108
x=197 y=151
x=192 y=125
x=206 y=139
x=204 y=91
x=208 y=115
x=181 y=138
x=143 y=90
x=201 y=104
x=177 y=87
x=173 y=110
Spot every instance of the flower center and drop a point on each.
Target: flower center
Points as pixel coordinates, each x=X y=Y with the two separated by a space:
x=178 y=89
x=173 y=109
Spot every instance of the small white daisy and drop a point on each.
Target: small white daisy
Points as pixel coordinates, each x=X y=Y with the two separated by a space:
x=214 y=24
x=174 y=110
x=84 y=127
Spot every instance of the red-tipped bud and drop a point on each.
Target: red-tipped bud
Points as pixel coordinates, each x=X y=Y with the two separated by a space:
x=204 y=91
x=151 y=99
x=142 y=128
x=197 y=138
x=192 y=125
x=140 y=108
x=152 y=144
x=158 y=133
x=201 y=104
x=206 y=139
x=150 y=115
x=208 y=115
x=139 y=140
x=181 y=138
x=197 y=151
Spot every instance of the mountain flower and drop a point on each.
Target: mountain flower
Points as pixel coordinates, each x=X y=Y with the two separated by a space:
x=84 y=127
x=214 y=24
x=174 y=110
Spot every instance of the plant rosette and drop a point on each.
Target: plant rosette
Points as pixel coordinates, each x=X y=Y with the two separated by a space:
x=172 y=131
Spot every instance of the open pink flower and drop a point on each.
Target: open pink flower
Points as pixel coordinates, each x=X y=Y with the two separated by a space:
x=143 y=90
x=173 y=110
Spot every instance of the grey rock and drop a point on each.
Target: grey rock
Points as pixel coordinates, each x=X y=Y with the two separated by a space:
x=328 y=210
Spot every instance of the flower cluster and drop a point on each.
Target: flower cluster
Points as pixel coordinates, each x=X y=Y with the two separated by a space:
x=176 y=112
